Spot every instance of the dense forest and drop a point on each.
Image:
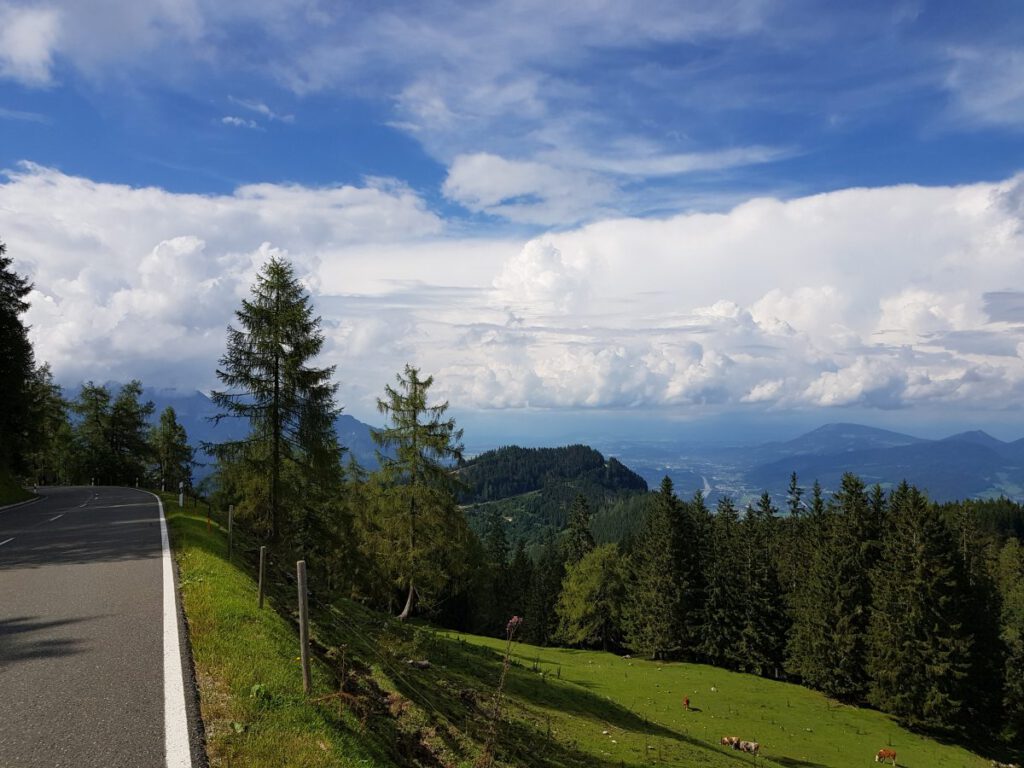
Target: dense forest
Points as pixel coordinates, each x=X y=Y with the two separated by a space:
x=532 y=489
x=870 y=595
x=512 y=470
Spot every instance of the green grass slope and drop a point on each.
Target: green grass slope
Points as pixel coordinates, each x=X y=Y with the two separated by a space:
x=563 y=708
x=796 y=727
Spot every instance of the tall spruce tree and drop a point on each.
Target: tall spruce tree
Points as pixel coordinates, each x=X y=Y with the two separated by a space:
x=723 y=616
x=762 y=639
x=833 y=627
x=695 y=557
x=977 y=554
x=579 y=540
x=424 y=445
x=520 y=579
x=654 y=590
x=545 y=586
x=495 y=548
x=1009 y=571
x=920 y=646
x=17 y=364
x=289 y=404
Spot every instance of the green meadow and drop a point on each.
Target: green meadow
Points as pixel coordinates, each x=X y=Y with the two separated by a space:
x=568 y=708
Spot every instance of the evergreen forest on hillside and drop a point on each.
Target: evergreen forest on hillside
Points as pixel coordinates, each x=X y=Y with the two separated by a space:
x=870 y=596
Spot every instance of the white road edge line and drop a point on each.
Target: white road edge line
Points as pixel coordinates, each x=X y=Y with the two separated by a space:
x=6 y=540
x=177 y=753
x=57 y=517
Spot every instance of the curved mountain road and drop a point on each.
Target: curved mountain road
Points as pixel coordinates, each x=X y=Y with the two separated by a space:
x=90 y=658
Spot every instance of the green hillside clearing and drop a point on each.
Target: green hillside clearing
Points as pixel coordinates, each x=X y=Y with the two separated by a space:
x=563 y=707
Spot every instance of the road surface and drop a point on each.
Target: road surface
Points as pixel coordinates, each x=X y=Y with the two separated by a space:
x=82 y=634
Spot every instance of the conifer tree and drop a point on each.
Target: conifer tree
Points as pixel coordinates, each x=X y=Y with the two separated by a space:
x=128 y=434
x=790 y=551
x=651 y=615
x=495 y=550
x=920 y=647
x=849 y=550
x=290 y=405
x=579 y=541
x=520 y=580
x=52 y=449
x=589 y=607
x=425 y=444
x=695 y=551
x=762 y=638
x=17 y=364
x=94 y=458
x=976 y=556
x=172 y=455
x=827 y=643
x=723 y=616
x=1009 y=571
x=545 y=587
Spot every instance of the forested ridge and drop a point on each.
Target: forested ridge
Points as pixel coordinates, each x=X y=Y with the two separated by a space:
x=511 y=470
x=873 y=596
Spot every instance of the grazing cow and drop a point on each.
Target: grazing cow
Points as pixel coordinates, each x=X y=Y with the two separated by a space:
x=886 y=754
x=730 y=741
x=747 y=746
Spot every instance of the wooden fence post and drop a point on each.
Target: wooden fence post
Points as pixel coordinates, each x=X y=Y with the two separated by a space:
x=307 y=683
x=263 y=570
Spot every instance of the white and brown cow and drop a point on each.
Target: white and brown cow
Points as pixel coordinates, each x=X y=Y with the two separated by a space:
x=886 y=754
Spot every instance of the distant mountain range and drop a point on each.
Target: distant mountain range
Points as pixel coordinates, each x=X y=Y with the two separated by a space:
x=194 y=411
x=966 y=465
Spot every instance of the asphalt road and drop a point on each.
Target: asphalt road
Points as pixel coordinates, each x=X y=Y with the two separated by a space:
x=81 y=631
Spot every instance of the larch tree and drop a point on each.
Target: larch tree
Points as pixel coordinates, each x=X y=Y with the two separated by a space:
x=173 y=457
x=289 y=403
x=94 y=459
x=52 y=442
x=590 y=605
x=419 y=448
x=128 y=433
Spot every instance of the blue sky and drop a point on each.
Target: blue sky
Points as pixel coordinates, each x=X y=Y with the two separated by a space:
x=679 y=209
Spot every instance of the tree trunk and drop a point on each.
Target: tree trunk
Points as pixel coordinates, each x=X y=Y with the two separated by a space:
x=407 y=611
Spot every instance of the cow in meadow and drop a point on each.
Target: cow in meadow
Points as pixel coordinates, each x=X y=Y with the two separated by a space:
x=886 y=754
x=730 y=741
x=751 y=747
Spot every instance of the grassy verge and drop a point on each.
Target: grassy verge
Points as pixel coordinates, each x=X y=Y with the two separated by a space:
x=250 y=681
x=11 y=491
x=564 y=708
